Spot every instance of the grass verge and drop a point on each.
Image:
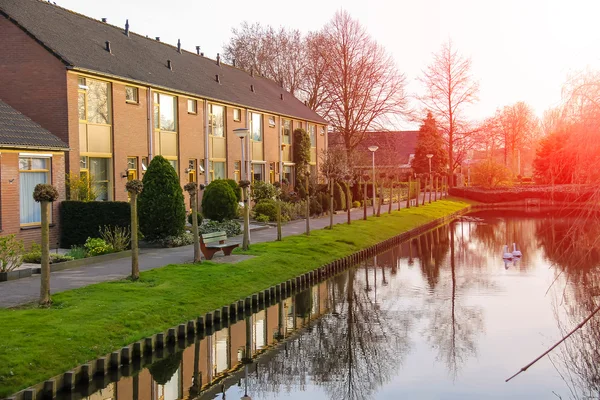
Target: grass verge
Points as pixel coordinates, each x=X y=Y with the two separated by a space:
x=86 y=323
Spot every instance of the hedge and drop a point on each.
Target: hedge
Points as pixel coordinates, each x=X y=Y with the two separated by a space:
x=562 y=193
x=80 y=220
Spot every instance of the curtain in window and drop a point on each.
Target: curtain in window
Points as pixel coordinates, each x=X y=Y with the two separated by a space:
x=30 y=210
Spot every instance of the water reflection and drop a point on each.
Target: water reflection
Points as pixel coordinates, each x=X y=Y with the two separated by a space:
x=440 y=316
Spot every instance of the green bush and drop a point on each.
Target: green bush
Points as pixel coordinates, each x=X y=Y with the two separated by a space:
x=81 y=220
x=346 y=190
x=263 y=191
x=219 y=202
x=198 y=217
x=77 y=252
x=301 y=157
x=34 y=256
x=231 y=228
x=186 y=238
x=267 y=208
x=339 y=197
x=116 y=237
x=262 y=218
x=293 y=211
x=97 y=247
x=236 y=188
x=324 y=201
x=356 y=204
x=315 y=206
x=11 y=253
x=161 y=207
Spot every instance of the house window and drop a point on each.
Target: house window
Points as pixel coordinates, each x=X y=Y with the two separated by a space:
x=216 y=122
x=312 y=133
x=32 y=171
x=313 y=170
x=258 y=173
x=272 y=172
x=132 y=168
x=271 y=121
x=99 y=174
x=287 y=131
x=237 y=168
x=93 y=101
x=174 y=165
x=217 y=170
x=256 y=128
x=288 y=174
x=131 y=95
x=165 y=109
x=299 y=125
x=237 y=114
x=322 y=131
x=192 y=106
x=191 y=170
x=144 y=164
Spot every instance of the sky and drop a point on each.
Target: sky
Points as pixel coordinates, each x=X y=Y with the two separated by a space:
x=521 y=50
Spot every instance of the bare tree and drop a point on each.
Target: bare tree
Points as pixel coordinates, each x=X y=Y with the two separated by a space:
x=360 y=79
x=519 y=129
x=449 y=88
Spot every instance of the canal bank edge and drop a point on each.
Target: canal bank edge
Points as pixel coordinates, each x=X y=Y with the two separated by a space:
x=123 y=359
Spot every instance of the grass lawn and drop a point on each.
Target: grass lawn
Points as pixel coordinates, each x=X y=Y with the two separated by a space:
x=92 y=321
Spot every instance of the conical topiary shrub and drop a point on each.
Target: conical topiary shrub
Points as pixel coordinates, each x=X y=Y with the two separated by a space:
x=161 y=207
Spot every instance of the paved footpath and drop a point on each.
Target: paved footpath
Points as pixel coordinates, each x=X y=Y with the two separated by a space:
x=26 y=290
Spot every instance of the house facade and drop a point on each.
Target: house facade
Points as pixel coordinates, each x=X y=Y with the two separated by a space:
x=117 y=99
x=29 y=155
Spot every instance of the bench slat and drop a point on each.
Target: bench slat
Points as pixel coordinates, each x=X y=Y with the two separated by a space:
x=220 y=246
x=212 y=234
x=214 y=240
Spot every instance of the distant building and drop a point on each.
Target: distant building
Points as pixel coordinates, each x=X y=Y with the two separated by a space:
x=29 y=155
x=396 y=149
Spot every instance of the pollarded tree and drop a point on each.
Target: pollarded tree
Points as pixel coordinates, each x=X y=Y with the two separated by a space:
x=219 y=202
x=161 y=204
x=430 y=141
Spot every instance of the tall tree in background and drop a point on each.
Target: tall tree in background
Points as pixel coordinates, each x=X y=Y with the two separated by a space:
x=430 y=141
x=361 y=80
x=449 y=88
x=519 y=128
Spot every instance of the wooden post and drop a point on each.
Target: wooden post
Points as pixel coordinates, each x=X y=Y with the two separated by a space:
x=278 y=204
x=194 y=227
x=348 y=201
x=435 y=197
x=331 y=183
x=365 y=200
x=430 y=188
x=45 y=269
x=307 y=206
x=408 y=193
x=380 y=190
x=424 y=192
x=135 y=265
x=391 y=195
x=246 y=239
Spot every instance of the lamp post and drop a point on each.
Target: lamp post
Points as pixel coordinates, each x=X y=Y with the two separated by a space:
x=373 y=149
x=242 y=133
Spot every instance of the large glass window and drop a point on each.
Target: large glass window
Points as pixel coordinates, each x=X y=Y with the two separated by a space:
x=165 y=111
x=216 y=123
x=287 y=131
x=312 y=133
x=132 y=168
x=132 y=95
x=94 y=101
x=288 y=174
x=99 y=169
x=256 y=127
x=217 y=170
x=32 y=171
x=258 y=172
x=174 y=165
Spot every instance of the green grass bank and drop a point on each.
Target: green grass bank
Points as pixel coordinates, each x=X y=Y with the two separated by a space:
x=89 y=322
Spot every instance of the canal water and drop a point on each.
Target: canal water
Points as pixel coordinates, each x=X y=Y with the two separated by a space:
x=442 y=316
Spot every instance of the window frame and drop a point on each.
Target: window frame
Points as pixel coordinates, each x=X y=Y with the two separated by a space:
x=271 y=121
x=83 y=87
x=157 y=112
x=136 y=92
x=191 y=169
x=262 y=131
x=239 y=114
x=288 y=129
x=237 y=170
x=194 y=104
x=211 y=120
x=132 y=173
x=47 y=170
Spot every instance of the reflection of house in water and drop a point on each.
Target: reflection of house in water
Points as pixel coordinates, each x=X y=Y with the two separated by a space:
x=221 y=352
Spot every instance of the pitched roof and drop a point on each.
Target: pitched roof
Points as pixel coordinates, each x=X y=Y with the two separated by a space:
x=395 y=147
x=18 y=131
x=79 y=41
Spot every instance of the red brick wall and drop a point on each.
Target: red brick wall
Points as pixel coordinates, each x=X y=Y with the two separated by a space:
x=9 y=199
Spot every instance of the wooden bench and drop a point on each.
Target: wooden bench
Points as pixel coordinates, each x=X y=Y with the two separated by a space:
x=212 y=242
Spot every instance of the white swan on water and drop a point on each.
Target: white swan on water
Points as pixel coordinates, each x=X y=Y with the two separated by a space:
x=516 y=253
x=507 y=255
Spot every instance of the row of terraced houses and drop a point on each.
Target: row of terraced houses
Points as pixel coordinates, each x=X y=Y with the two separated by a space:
x=112 y=99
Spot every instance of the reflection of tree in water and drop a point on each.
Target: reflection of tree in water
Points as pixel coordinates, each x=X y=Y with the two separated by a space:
x=163 y=370
x=453 y=328
x=350 y=352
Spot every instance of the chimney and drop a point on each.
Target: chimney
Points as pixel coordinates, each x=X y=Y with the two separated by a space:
x=217 y=78
x=127 y=27
x=252 y=88
x=252 y=72
x=169 y=65
x=198 y=50
x=202 y=54
x=281 y=96
x=178 y=46
x=234 y=62
x=158 y=38
x=305 y=103
x=218 y=59
x=104 y=20
x=108 y=47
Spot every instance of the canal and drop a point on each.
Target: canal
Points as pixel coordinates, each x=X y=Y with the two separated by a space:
x=441 y=316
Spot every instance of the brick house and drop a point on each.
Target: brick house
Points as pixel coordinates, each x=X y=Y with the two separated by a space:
x=117 y=99
x=29 y=155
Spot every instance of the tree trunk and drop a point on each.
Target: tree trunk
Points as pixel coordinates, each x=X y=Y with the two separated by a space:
x=307 y=208
x=348 y=202
x=435 y=197
x=365 y=201
x=391 y=196
x=45 y=273
x=418 y=192
x=331 y=183
x=374 y=187
x=380 y=189
x=408 y=192
x=430 y=187
x=424 y=191
x=135 y=264
x=278 y=204
x=193 y=197
x=246 y=239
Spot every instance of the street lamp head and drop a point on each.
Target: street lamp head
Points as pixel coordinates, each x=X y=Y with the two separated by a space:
x=429 y=156
x=241 y=132
x=373 y=148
